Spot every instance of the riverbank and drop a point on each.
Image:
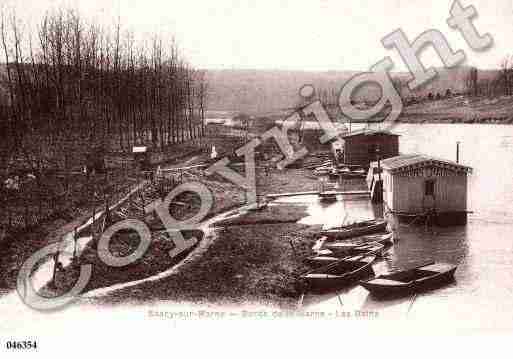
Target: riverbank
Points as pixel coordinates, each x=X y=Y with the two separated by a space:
x=244 y=264
x=249 y=260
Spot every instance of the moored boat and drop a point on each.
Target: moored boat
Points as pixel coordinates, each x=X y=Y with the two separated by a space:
x=258 y=206
x=321 y=172
x=340 y=247
x=370 y=248
x=348 y=166
x=325 y=257
x=385 y=239
x=328 y=196
x=352 y=174
x=355 y=229
x=426 y=276
x=321 y=260
x=340 y=273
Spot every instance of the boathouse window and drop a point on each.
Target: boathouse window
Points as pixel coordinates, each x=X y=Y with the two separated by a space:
x=429 y=187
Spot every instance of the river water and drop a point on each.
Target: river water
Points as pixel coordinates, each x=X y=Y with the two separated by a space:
x=482 y=295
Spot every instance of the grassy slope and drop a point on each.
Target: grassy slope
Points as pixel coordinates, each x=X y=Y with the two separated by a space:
x=460 y=109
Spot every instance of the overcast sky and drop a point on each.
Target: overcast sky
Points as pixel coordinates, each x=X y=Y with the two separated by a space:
x=296 y=35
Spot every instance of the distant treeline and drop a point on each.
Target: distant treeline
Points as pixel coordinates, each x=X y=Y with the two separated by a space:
x=70 y=82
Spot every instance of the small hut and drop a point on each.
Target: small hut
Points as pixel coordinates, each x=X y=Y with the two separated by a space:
x=95 y=161
x=363 y=147
x=417 y=185
x=142 y=157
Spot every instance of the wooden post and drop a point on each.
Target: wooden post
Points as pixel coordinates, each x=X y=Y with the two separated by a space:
x=94 y=215
x=75 y=239
x=107 y=216
x=379 y=183
x=379 y=168
x=293 y=249
x=55 y=266
x=458 y=152
x=40 y=205
x=27 y=222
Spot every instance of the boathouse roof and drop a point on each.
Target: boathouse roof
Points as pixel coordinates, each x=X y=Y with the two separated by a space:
x=410 y=161
x=367 y=132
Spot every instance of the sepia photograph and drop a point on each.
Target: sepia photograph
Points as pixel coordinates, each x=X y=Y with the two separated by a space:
x=307 y=178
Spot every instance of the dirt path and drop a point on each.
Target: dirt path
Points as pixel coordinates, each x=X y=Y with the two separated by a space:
x=209 y=237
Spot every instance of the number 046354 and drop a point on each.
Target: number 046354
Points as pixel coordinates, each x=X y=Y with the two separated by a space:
x=20 y=344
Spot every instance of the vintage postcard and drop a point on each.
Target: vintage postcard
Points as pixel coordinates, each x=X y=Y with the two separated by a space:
x=201 y=177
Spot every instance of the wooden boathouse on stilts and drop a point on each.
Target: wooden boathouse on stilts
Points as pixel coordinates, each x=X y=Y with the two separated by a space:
x=417 y=185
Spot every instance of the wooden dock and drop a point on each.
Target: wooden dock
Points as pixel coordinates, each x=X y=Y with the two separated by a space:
x=291 y=194
x=316 y=193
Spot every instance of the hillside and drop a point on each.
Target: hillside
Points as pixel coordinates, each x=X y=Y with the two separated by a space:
x=461 y=109
x=261 y=91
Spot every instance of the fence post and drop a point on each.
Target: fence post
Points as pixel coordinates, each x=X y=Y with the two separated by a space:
x=27 y=222
x=55 y=267
x=40 y=207
x=92 y=223
x=75 y=242
x=141 y=194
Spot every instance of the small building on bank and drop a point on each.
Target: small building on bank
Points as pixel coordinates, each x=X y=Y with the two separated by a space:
x=415 y=185
x=363 y=147
x=95 y=161
x=142 y=157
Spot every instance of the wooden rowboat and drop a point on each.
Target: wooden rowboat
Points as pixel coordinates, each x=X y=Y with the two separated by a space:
x=348 y=166
x=321 y=260
x=343 y=272
x=342 y=248
x=356 y=224
x=326 y=256
x=375 y=248
x=422 y=277
x=385 y=239
x=328 y=196
x=355 y=229
x=350 y=175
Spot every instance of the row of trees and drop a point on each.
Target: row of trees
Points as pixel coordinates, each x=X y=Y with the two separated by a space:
x=496 y=85
x=73 y=83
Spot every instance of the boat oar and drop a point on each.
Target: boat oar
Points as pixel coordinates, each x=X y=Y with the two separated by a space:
x=412 y=268
x=327 y=266
x=423 y=264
